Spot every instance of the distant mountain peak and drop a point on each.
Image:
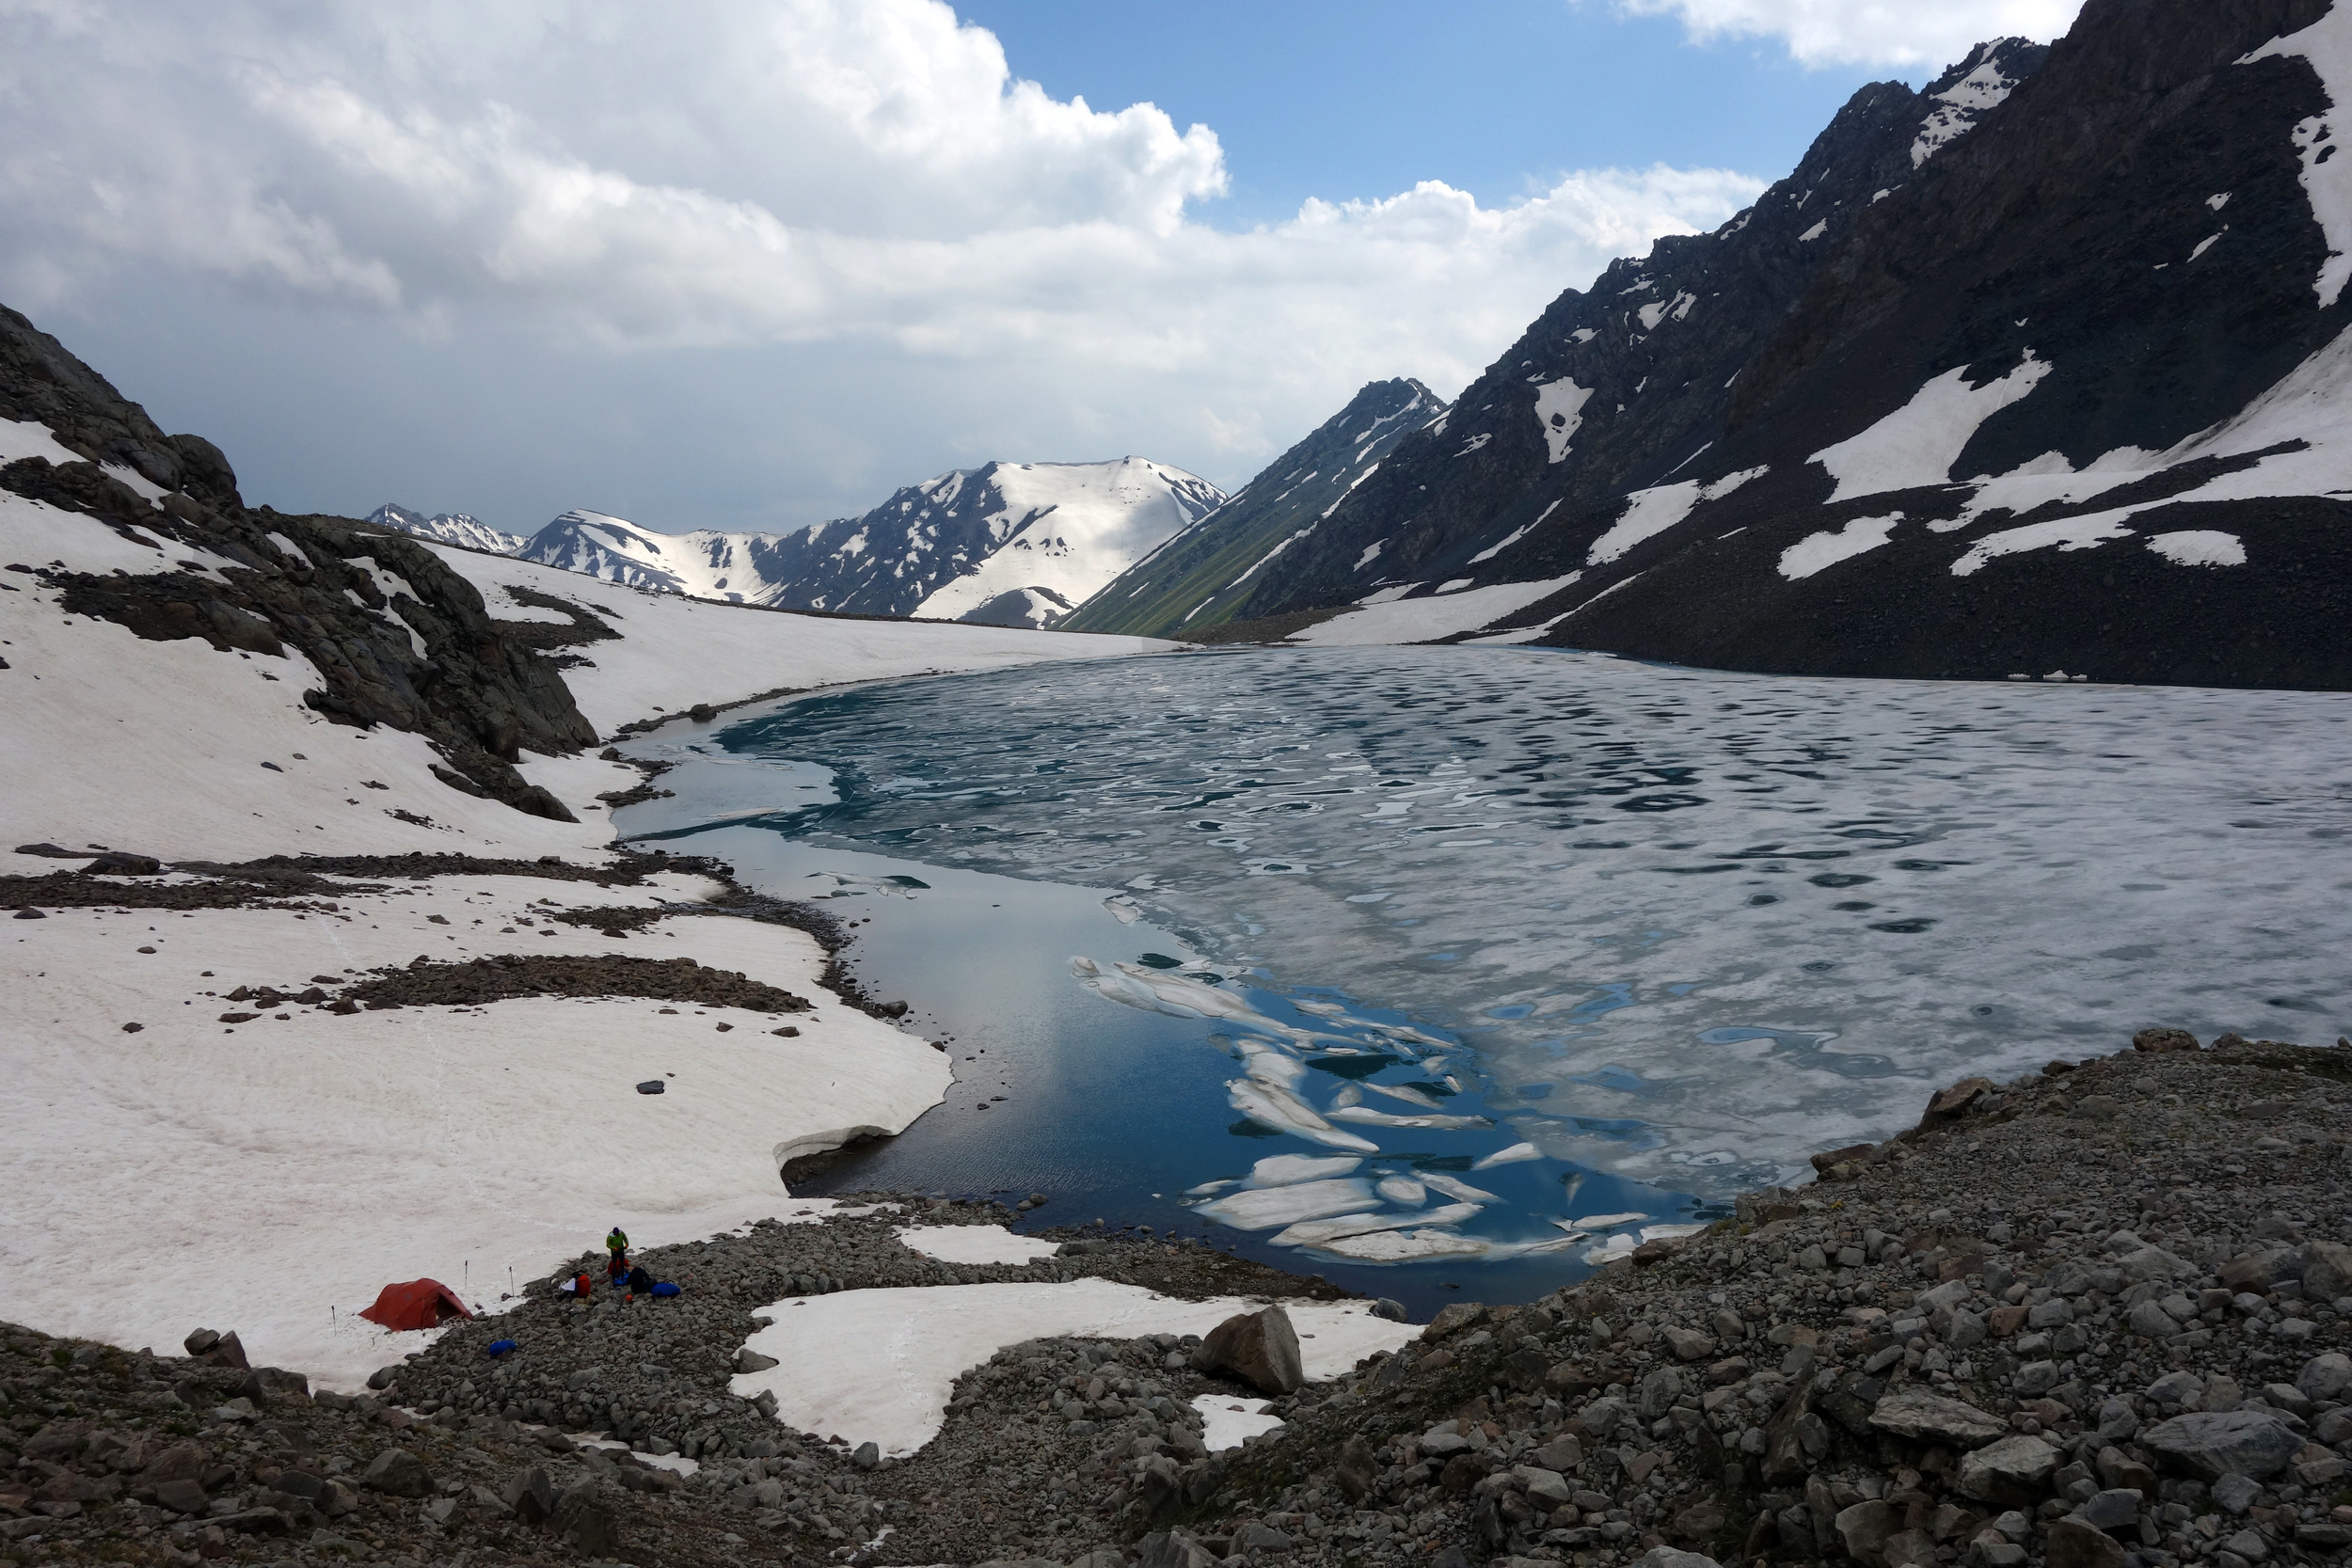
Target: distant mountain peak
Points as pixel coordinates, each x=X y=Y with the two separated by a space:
x=450 y=528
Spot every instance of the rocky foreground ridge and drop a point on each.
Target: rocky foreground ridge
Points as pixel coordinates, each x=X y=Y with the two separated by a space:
x=2095 y=1318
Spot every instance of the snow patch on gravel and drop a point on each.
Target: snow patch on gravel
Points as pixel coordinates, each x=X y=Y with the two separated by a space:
x=880 y=1365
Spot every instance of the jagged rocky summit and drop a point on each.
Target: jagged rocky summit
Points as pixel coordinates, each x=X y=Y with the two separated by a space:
x=1199 y=577
x=1008 y=544
x=2037 y=371
x=450 y=528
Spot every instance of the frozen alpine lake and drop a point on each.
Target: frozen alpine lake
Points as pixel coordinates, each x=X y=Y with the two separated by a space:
x=1485 y=958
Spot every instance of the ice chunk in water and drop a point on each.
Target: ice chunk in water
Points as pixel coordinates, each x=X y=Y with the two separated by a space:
x=1282 y=1109
x=1126 y=909
x=1370 y=1117
x=1603 y=1221
x=1407 y=1093
x=1284 y=1170
x=1269 y=1065
x=1263 y=1207
x=1401 y=1246
x=1316 y=1233
x=1509 y=1156
x=1402 y=1189
x=1207 y=1187
x=1453 y=1186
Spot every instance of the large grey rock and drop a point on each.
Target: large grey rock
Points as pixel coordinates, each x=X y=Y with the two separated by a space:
x=2327 y=1271
x=2110 y=1509
x=2072 y=1544
x=1255 y=1537
x=2152 y=1321
x=1666 y=1557
x=2012 y=1473
x=2235 y=1493
x=587 y=1521
x=1688 y=1345
x=530 y=1495
x=1549 y=1489
x=1259 y=1348
x=397 y=1473
x=2325 y=1377
x=1173 y=1549
x=2231 y=1443
x=1925 y=1418
x=1866 y=1527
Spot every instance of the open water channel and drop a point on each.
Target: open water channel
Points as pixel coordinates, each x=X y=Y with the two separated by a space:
x=1437 y=969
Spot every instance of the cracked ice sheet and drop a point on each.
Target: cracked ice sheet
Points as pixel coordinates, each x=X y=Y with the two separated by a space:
x=334 y=1154
x=880 y=1365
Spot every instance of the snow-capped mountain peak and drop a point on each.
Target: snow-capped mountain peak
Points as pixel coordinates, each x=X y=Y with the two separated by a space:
x=450 y=528
x=1010 y=544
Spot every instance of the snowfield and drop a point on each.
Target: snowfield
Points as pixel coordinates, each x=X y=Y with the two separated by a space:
x=675 y=652
x=271 y=1176
x=879 y=1366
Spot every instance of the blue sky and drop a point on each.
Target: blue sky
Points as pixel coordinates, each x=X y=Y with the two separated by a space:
x=1364 y=98
x=754 y=263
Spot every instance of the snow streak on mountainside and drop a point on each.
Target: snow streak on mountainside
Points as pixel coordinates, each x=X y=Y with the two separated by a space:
x=2039 y=371
x=449 y=527
x=1196 y=579
x=1011 y=543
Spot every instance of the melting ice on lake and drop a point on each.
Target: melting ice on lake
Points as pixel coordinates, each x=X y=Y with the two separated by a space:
x=1557 y=915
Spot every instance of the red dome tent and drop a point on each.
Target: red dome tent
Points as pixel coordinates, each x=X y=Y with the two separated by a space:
x=418 y=1303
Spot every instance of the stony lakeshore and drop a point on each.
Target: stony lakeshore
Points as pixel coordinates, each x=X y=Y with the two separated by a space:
x=2095 y=1318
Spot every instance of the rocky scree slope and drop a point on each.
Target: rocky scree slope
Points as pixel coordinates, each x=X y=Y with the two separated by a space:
x=2095 y=1315
x=2059 y=393
x=397 y=638
x=2098 y=1315
x=1200 y=576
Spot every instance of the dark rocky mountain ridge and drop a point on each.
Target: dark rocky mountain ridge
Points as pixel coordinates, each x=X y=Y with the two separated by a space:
x=1198 y=579
x=478 y=693
x=2053 y=395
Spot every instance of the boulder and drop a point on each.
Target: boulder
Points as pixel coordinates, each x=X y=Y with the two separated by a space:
x=1259 y=1348
x=182 y=1496
x=1866 y=1527
x=1359 y=1468
x=2209 y=1446
x=2012 y=1473
x=2324 y=1378
x=2111 y=1509
x=2327 y=1271
x=1925 y=1417
x=1666 y=1557
x=1255 y=1537
x=1174 y=1549
x=2072 y=1544
x=586 y=1521
x=397 y=1473
x=530 y=1496
x=1951 y=1102
x=2161 y=1039
x=750 y=1361
x=1689 y=1344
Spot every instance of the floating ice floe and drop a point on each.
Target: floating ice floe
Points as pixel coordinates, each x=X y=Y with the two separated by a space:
x=1403 y=1246
x=1510 y=1156
x=1401 y=1189
x=1370 y=1117
x=1284 y=1170
x=1310 y=1233
x=975 y=1243
x=1263 y=1207
x=1279 y=1108
x=1453 y=1186
x=1227 y=1422
x=1127 y=910
x=1407 y=1093
x=1603 y=1221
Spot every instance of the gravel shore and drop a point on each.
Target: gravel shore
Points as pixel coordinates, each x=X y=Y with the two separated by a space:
x=2097 y=1316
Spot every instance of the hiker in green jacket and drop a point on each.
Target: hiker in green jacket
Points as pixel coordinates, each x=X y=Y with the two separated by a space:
x=617 y=1242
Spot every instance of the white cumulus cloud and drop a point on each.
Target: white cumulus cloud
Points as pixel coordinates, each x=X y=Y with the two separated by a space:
x=757 y=180
x=1917 y=33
